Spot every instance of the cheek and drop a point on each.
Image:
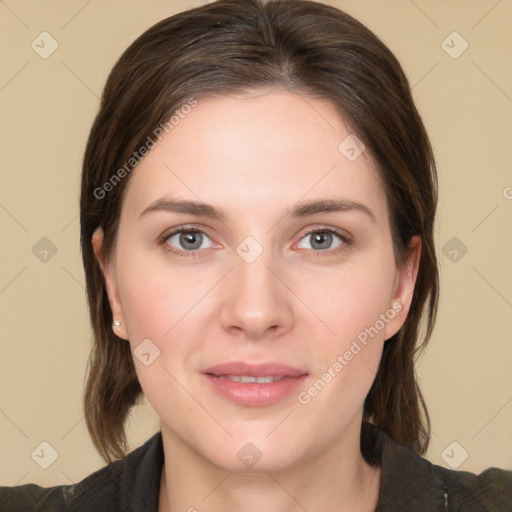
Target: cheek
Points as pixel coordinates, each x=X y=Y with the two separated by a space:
x=351 y=300
x=154 y=296
x=143 y=309
x=166 y=305
x=355 y=304
x=155 y=302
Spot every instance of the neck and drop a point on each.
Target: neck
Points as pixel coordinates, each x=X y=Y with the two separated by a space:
x=337 y=479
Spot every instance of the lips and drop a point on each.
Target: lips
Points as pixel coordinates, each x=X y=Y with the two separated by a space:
x=256 y=370
x=254 y=385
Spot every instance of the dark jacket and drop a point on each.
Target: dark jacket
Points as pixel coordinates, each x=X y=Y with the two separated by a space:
x=409 y=483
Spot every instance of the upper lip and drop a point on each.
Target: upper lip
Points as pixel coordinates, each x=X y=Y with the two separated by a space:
x=255 y=370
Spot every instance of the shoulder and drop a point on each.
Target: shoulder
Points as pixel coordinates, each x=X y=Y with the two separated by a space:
x=131 y=483
x=410 y=482
x=32 y=497
x=490 y=490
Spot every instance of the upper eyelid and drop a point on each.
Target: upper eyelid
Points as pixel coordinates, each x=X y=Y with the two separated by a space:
x=185 y=229
x=205 y=231
x=341 y=233
x=174 y=231
x=336 y=231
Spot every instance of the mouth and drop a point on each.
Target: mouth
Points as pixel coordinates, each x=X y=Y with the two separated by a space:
x=248 y=379
x=255 y=385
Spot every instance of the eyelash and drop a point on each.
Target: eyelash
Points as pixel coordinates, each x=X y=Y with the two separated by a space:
x=162 y=241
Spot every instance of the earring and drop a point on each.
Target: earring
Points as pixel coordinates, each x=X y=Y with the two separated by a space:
x=117 y=323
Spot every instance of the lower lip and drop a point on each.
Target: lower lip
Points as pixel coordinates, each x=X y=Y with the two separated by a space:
x=253 y=394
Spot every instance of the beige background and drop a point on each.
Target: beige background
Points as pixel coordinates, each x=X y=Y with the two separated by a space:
x=47 y=107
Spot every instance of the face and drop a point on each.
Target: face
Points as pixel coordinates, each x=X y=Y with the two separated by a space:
x=282 y=270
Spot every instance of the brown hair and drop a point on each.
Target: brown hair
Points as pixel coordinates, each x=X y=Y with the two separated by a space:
x=234 y=46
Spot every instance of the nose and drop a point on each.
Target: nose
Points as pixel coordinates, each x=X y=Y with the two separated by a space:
x=256 y=302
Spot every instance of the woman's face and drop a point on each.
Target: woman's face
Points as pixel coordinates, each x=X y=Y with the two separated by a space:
x=265 y=279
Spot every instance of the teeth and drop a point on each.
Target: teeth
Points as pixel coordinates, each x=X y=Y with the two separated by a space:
x=248 y=379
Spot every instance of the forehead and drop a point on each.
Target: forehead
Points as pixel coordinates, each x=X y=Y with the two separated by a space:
x=267 y=148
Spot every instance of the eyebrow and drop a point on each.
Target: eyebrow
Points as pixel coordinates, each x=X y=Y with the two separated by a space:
x=196 y=208
x=302 y=209
x=329 y=206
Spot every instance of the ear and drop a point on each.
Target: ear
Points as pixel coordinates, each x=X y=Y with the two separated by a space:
x=404 y=288
x=109 y=275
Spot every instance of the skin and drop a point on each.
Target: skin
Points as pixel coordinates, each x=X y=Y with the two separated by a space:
x=255 y=156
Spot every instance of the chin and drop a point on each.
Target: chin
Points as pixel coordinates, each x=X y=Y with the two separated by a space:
x=253 y=460
x=251 y=454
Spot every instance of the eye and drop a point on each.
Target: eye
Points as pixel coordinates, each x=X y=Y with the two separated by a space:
x=323 y=239
x=187 y=240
